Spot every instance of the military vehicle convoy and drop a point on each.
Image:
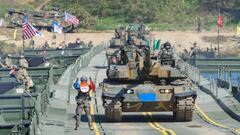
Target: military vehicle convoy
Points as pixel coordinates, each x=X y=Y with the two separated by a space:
x=136 y=82
x=136 y=33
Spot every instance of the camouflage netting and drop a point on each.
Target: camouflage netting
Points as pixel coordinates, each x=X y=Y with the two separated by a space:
x=8 y=48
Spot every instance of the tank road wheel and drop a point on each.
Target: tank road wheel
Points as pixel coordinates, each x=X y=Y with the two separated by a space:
x=113 y=112
x=183 y=109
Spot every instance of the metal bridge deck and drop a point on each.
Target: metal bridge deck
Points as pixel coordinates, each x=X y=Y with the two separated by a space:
x=209 y=118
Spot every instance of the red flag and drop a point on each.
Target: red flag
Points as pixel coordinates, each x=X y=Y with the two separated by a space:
x=92 y=85
x=220 y=21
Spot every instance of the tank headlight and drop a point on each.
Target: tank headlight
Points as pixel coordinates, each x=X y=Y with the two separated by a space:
x=130 y=91
x=165 y=90
x=162 y=91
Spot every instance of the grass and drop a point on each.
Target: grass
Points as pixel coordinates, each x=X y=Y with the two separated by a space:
x=111 y=23
x=36 y=3
x=108 y=23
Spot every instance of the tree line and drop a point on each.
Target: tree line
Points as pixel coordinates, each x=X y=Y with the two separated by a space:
x=151 y=11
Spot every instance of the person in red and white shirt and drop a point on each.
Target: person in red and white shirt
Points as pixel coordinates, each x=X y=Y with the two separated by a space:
x=83 y=99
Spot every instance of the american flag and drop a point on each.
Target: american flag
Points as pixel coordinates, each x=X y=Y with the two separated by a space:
x=28 y=30
x=71 y=18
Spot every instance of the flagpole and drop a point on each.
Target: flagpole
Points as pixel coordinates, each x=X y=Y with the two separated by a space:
x=65 y=38
x=218 y=37
x=23 y=41
x=218 y=42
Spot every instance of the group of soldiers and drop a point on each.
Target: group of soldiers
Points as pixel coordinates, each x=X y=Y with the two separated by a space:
x=80 y=43
x=21 y=75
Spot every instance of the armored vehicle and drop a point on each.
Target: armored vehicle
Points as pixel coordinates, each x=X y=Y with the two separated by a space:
x=117 y=41
x=39 y=19
x=138 y=83
x=138 y=34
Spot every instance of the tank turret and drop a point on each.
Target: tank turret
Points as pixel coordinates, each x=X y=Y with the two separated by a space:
x=132 y=63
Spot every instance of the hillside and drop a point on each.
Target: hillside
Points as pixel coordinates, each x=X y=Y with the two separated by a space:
x=5 y=5
x=158 y=14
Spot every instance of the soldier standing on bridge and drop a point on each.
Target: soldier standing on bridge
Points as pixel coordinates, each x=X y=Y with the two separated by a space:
x=193 y=50
x=83 y=99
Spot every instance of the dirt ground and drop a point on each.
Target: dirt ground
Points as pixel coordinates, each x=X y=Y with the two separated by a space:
x=180 y=39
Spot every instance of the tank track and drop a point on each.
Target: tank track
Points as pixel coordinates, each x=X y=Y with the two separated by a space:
x=184 y=109
x=113 y=110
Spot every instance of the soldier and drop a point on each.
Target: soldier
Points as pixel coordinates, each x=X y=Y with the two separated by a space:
x=166 y=51
x=78 y=41
x=123 y=56
x=130 y=40
x=45 y=45
x=83 y=99
x=90 y=44
x=7 y=62
x=199 y=24
x=21 y=74
x=54 y=40
x=28 y=83
x=117 y=34
x=32 y=43
x=23 y=63
x=60 y=46
x=193 y=50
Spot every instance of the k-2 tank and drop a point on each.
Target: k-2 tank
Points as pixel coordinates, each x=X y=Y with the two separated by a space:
x=136 y=82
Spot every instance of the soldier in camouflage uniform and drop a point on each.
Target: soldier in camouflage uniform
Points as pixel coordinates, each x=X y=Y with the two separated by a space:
x=83 y=100
x=28 y=83
x=7 y=62
x=22 y=74
x=166 y=51
x=23 y=63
